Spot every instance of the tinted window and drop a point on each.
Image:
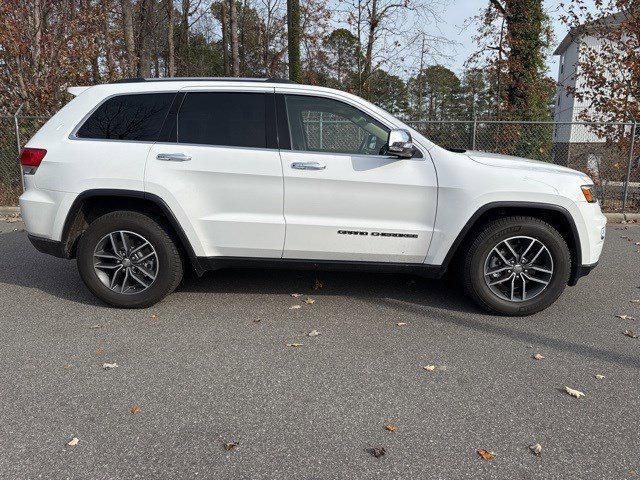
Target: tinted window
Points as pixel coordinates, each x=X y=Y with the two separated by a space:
x=128 y=117
x=229 y=119
x=325 y=125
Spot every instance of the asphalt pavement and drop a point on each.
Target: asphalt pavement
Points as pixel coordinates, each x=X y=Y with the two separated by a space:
x=210 y=383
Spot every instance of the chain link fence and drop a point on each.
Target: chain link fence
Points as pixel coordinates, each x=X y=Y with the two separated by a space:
x=15 y=131
x=608 y=152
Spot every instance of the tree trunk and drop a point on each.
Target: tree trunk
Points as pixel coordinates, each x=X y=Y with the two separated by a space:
x=524 y=20
x=359 y=47
x=171 y=51
x=144 y=40
x=183 y=40
x=373 y=25
x=421 y=79
x=129 y=39
x=235 y=59
x=293 y=37
x=37 y=37
x=242 y=30
x=108 y=41
x=225 y=38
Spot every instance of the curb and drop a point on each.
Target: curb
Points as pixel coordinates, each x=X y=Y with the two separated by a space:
x=622 y=217
x=611 y=217
x=9 y=210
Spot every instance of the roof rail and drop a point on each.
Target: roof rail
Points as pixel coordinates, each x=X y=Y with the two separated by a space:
x=203 y=79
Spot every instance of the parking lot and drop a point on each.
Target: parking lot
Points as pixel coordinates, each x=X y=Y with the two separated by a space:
x=226 y=360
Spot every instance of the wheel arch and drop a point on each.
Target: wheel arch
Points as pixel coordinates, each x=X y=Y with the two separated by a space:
x=556 y=215
x=91 y=204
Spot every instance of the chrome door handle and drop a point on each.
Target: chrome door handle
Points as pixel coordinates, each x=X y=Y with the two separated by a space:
x=308 y=166
x=173 y=157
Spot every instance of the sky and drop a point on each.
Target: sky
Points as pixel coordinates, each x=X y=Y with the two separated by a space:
x=458 y=11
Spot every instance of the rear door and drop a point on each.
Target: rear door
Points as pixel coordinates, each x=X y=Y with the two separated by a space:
x=219 y=169
x=344 y=198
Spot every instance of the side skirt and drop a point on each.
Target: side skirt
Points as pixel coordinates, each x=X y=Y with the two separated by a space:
x=218 y=263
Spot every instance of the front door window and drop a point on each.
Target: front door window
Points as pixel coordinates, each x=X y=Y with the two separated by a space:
x=319 y=124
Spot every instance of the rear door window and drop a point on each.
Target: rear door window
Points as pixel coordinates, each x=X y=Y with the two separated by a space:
x=136 y=117
x=223 y=119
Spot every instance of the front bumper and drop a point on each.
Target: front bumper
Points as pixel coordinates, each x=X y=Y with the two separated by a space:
x=595 y=224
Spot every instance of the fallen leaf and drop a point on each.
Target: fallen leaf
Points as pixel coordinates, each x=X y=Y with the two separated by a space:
x=630 y=334
x=318 y=285
x=574 y=393
x=309 y=301
x=230 y=446
x=95 y=327
x=294 y=307
x=296 y=295
x=401 y=324
x=109 y=366
x=391 y=428
x=100 y=351
x=73 y=442
x=537 y=356
x=153 y=316
x=135 y=409
x=429 y=368
x=536 y=449
x=314 y=333
x=486 y=455
x=294 y=345
x=625 y=317
x=599 y=377
x=67 y=366
x=637 y=302
x=376 y=451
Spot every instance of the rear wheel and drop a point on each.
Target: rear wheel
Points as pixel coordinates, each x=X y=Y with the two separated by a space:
x=129 y=260
x=517 y=266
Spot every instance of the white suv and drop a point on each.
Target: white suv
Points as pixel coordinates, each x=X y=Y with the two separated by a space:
x=141 y=179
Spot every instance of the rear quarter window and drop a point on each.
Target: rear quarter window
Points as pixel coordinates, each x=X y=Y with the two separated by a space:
x=136 y=117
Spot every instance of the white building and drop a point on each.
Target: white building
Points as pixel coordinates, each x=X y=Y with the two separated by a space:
x=572 y=52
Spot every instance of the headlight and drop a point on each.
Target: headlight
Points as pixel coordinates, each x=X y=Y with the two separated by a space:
x=588 y=195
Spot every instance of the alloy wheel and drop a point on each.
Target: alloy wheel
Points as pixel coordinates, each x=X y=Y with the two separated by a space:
x=125 y=262
x=518 y=268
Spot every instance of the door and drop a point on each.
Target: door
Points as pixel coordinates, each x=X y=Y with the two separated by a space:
x=220 y=170
x=345 y=199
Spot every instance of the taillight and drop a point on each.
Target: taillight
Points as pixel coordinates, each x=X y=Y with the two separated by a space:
x=30 y=159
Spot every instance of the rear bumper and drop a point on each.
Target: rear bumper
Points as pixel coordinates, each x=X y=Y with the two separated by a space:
x=45 y=245
x=45 y=211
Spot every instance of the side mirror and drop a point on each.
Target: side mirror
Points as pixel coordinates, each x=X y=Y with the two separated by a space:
x=400 y=144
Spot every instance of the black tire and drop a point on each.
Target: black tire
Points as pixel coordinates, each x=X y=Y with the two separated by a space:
x=473 y=273
x=169 y=268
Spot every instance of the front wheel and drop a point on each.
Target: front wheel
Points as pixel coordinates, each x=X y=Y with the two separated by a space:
x=128 y=260
x=517 y=266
